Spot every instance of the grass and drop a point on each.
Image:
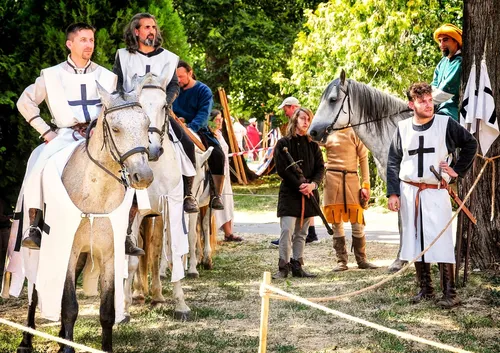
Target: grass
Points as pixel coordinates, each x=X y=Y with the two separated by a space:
x=225 y=305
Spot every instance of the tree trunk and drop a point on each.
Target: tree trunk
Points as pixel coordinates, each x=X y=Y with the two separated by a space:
x=480 y=28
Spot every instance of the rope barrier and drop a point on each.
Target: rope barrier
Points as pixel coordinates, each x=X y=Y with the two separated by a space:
x=264 y=291
x=50 y=337
x=379 y=284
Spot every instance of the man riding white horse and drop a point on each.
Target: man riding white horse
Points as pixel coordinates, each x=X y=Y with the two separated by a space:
x=70 y=92
x=144 y=54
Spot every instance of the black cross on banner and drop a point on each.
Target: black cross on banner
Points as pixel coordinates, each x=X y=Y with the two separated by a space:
x=84 y=102
x=493 y=116
x=148 y=69
x=420 y=151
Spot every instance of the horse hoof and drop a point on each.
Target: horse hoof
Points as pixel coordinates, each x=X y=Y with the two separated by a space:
x=126 y=320
x=182 y=315
x=396 y=265
x=163 y=277
x=157 y=302
x=208 y=265
x=193 y=275
x=138 y=301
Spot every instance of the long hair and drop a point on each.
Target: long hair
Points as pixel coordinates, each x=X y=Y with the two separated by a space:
x=186 y=66
x=129 y=33
x=292 y=124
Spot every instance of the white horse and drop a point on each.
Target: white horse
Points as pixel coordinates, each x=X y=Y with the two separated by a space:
x=156 y=232
x=373 y=115
x=94 y=178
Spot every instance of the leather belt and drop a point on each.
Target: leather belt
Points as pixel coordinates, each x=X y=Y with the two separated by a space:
x=344 y=173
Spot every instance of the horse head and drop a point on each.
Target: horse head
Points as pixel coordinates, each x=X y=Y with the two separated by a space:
x=153 y=99
x=334 y=109
x=123 y=130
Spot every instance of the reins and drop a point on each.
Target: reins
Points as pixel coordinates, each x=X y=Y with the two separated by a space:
x=154 y=129
x=331 y=127
x=113 y=149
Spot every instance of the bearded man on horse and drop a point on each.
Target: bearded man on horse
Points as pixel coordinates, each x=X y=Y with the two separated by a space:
x=70 y=91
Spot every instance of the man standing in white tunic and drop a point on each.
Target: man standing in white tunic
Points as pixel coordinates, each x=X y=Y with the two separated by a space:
x=426 y=140
x=70 y=91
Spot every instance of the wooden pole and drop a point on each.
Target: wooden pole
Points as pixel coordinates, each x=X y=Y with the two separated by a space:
x=188 y=132
x=265 y=132
x=238 y=164
x=264 y=312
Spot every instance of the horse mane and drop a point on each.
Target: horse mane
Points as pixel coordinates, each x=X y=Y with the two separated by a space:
x=377 y=109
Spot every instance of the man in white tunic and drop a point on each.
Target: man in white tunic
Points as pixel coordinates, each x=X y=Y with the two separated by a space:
x=426 y=140
x=70 y=91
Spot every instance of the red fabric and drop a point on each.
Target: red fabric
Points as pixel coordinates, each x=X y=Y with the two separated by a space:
x=253 y=135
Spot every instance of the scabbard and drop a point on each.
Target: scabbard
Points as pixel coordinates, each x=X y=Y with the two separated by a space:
x=188 y=132
x=459 y=203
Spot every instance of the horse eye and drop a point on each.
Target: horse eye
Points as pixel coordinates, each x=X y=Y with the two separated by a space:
x=115 y=129
x=333 y=100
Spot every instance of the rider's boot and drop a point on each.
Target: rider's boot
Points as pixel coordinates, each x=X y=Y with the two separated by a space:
x=216 y=192
x=34 y=239
x=190 y=204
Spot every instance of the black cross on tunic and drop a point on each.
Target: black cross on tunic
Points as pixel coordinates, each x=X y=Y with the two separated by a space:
x=148 y=69
x=420 y=151
x=84 y=102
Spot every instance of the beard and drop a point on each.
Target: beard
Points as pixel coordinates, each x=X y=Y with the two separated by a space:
x=149 y=41
x=445 y=52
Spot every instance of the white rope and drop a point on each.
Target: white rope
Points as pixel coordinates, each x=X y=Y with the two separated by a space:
x=49 y=337
x=403 y=335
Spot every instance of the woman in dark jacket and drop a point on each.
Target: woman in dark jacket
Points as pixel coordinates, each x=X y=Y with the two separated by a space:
x=294 y=203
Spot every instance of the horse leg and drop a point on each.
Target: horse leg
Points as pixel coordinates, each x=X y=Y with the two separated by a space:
x=182 y=311
x=107 y=309
x=398 y=263
x=206 y=231
x=140 y=281
x=69 y=306
x=26 y=344
x=91 y=272
x=133 y=264
x=193 y=238
x=156 y=253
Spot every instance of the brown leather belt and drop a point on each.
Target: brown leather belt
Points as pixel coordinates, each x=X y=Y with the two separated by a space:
x=344 y=173
x=420 y=186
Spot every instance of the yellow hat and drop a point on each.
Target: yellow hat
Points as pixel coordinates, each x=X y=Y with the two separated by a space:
x=451 y=31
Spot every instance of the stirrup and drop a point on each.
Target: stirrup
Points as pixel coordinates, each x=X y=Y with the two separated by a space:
x=193 y=208
x=33 y=240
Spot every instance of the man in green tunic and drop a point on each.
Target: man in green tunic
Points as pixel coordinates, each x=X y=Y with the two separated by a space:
x=446 y=82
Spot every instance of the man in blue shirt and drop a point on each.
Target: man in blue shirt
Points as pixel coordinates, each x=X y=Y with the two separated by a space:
x=446 y=82
x=194 y=105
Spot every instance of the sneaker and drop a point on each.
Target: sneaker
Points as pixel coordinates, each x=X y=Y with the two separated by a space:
x=312 y=239
x=275 y=242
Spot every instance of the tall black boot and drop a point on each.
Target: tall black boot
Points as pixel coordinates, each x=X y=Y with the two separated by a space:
x=297 y=270
x=216 y=192
x=190 y=204
x=450 y=298
x=424 y=280
x=34 y=238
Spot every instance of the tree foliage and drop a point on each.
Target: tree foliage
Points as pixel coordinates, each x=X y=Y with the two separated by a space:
x=33 y=38
x=238 y=44
x=387 y=44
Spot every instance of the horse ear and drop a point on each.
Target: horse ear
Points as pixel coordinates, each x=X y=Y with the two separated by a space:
x=134 y=82
x=105 y=95
x=342 y=77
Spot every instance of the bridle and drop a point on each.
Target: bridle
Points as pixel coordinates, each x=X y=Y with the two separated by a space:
x=330 y=128
x=164 y=127
x=110 y=142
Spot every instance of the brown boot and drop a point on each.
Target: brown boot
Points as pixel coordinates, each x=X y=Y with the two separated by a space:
x=423 y=270
x=359 y=245
x=131 y=249
x=215 y=200
x=449 y=299
x=34 y=239
x=341 y=252
x=283 y=269
x=190 y=204
x=298 y=271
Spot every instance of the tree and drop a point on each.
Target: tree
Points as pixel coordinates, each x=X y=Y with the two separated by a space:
x=33 y=38
x=238 y=44
x=481 y=18
x=387 y=44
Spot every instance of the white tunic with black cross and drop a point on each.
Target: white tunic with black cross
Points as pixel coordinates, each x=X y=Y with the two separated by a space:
x=140 y=64
x=413 y=150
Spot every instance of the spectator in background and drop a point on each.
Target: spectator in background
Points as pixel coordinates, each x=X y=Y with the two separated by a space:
x=254 y=135
x=224 y=218
x=239 y=132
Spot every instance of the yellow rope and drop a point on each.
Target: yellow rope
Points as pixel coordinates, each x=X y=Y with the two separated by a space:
x=50 y=337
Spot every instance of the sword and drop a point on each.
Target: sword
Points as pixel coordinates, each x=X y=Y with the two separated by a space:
x=303 y=179
x=452 y=193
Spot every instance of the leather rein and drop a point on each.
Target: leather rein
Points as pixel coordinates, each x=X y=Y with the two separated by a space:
x=164 y=128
